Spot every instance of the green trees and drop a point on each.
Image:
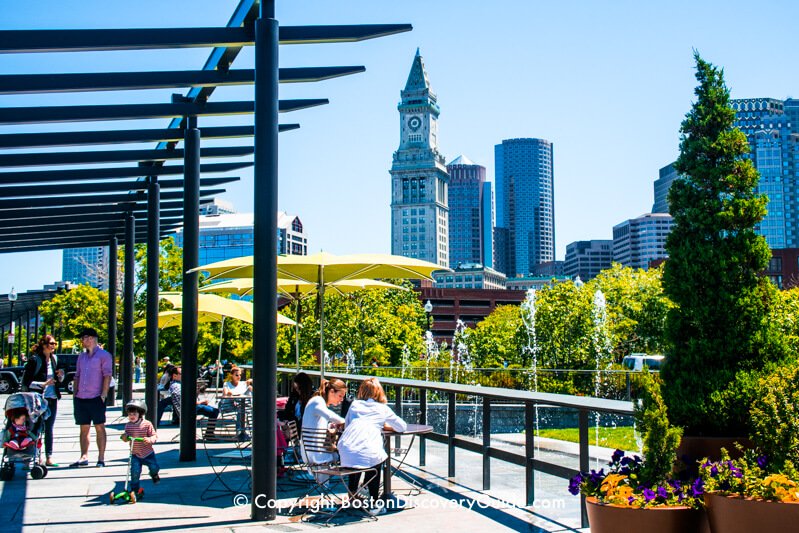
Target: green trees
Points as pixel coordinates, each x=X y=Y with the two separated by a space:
x=71 y=311
x=720 y=325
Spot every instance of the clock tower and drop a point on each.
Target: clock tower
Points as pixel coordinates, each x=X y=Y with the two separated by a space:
x=419 y=178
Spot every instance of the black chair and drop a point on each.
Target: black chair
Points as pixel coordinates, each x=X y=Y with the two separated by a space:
x=326 y=478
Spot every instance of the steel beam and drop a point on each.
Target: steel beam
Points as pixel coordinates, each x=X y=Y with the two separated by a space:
x=126 y=364
x=28 y=191
x=80 y=113
x=113 y=156
x=265 y=265
x=100 y=199
x=26 y=41
x=125 y=81
x=91 y=219
x=113 y=253
x=189 y=331
x=79 y=138
x=49 y=176
x=131 y=207
x=61 y=245
x=153 y=281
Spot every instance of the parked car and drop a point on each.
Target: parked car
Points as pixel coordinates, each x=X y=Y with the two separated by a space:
x=67 y=362
x=11 y=379
x=637 y=361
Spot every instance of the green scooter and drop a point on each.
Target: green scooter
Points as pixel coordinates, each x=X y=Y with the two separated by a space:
x=127 y=495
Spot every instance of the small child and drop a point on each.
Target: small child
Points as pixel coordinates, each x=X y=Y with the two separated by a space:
x=18 y=430
x=142 y=451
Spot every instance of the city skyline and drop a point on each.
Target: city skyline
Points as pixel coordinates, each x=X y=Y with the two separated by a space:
x=607 y=84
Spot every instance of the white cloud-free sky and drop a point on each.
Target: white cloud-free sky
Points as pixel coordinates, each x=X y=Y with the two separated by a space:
x=608 y=82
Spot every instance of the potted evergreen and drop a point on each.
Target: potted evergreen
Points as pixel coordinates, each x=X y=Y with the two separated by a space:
x=719 y=334
x=644 y=494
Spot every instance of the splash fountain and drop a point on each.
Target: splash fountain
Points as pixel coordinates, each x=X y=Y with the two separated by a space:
x=349 y=357
x=602 y=347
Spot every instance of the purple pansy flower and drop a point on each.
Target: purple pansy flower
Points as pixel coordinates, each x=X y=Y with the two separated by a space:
x=762 y=461
x=698 y=488
x=596 y=477
x=574 y=484
x=663 y=493
x=616 y=457
x=649 y=495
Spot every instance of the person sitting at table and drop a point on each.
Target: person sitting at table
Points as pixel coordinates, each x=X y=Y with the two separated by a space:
x=361 y=444
x=301 y=391
x=234 y=386
x=204 y=408
x=319 y=416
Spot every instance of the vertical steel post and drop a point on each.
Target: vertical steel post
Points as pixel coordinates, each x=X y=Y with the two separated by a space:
x=126 y=365
x=111 y=341
x=486 y=443
x=153 y=281
x=529 y=451
x=451 y=434
x=19 y=341
x=583 y=433
x=398 y=410
x=422 y=420
x=264 y=462
x=191 y=247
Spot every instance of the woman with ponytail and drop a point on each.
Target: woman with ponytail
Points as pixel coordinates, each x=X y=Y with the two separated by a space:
x=319 y=416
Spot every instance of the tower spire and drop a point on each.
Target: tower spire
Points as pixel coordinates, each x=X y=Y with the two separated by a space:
x=417 y=78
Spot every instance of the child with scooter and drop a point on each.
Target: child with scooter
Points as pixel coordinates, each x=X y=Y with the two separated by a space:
x=142 y=436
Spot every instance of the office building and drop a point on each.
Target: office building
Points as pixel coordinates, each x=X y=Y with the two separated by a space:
x=666 y=176
x=470 y=276
x=86 y=265
x=525 y=215
x=470 y=214
x=641 y=242
x=772 y=129
x=588 y=258
x=469 y=305
x=525 y=283
x=419 y=179
x=230 y=235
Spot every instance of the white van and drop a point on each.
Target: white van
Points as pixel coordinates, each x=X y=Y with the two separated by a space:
x=637 y=361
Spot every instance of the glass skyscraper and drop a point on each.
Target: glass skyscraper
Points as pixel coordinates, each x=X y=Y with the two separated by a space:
x=525 y=228
x=772 y=130
x=86 y=265
x=470 y=214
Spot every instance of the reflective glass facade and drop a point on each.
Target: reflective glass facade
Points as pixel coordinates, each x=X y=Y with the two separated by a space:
x=525 y=223
x=86 y=265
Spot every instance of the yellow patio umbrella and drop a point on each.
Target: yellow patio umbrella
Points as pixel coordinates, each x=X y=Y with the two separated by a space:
x=174 y=317
x=297 y=290
x=323 y=268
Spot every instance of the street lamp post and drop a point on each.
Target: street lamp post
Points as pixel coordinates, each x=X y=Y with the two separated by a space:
x=428 y=309
x=12 y=297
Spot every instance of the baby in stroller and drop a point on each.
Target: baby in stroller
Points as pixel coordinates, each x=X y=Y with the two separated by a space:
x=18 y=422
x=22 y=434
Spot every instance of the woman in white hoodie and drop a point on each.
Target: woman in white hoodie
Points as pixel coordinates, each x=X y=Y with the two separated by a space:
x=361 y=444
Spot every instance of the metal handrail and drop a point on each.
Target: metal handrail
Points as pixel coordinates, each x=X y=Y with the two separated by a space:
x=583 y=404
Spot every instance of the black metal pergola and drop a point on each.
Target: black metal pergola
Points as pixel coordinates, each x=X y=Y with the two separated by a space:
x=109 y=196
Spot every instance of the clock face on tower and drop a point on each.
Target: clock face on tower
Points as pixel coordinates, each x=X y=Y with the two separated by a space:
x=414 y=123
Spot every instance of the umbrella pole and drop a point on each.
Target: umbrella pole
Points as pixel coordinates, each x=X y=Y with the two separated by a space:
x=322 y=322
x=297 y=330
x=219 y=357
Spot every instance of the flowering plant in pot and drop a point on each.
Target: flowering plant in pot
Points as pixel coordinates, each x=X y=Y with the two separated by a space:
x=625 y=497
x=749 y=493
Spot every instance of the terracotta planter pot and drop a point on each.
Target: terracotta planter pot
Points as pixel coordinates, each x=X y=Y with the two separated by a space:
x=734 y=515
x=613 y=519
x=697 y=448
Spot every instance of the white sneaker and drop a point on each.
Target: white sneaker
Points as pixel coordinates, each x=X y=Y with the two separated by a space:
x=377 y=510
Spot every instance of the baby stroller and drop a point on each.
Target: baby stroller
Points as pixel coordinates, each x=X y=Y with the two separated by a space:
x=22 y=442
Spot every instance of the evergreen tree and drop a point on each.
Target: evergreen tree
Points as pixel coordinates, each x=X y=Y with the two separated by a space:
x=719 y=333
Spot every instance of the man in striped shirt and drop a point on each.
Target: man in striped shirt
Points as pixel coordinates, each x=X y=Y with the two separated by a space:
x=142 y=452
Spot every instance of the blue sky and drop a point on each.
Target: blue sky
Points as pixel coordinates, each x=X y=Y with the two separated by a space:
x=607 y=82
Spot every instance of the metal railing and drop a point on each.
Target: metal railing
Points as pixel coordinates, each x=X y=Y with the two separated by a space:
x=582 y=404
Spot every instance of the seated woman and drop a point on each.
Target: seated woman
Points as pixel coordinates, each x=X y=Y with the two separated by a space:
x=234 y=386
x=361 y=444
x=301 y=391
x=319 y=416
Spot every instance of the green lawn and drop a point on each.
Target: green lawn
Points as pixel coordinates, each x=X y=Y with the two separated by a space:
x=620 y=437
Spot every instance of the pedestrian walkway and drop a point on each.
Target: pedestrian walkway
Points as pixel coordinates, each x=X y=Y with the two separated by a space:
x=77 y=499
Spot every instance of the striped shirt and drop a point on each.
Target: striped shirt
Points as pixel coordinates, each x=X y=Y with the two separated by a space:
x=142 y=428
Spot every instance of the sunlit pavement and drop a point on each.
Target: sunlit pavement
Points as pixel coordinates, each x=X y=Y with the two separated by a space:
x=77 y=499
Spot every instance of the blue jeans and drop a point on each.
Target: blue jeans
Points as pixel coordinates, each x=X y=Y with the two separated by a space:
x=136 y=463
x=207 y=410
